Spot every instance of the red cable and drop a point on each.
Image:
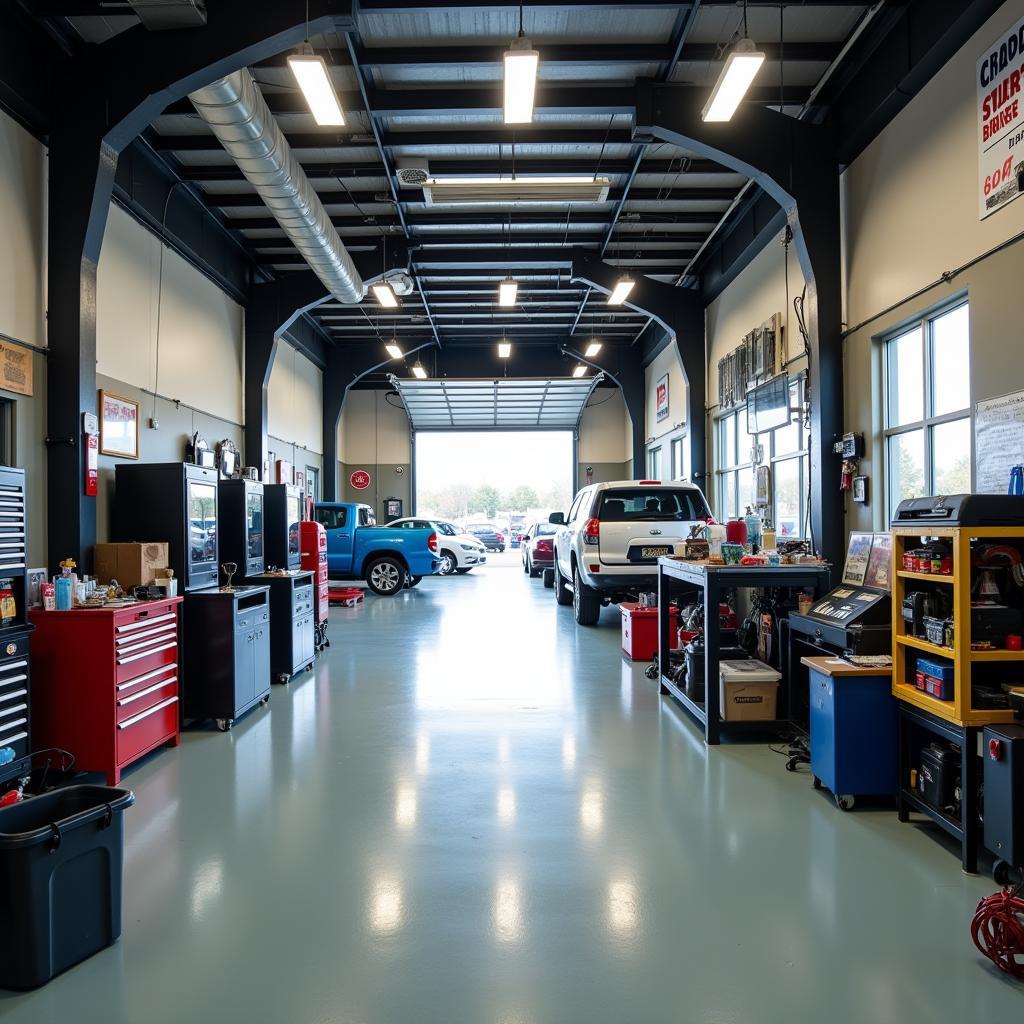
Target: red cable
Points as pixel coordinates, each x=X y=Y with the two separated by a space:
x=998 y=930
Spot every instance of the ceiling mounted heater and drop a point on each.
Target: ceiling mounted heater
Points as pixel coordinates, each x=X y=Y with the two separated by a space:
x=522 y=189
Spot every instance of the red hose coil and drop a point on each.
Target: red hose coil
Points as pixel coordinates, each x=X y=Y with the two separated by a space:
x=998 y=930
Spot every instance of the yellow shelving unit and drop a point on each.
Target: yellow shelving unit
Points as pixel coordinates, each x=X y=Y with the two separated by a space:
x=959 y=710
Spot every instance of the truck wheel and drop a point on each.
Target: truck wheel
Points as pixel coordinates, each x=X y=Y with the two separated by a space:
x=385 y=576
x=464 y=570
x=534 y=571
x=448 y=563
x=563 y=595
x=549 y=578
x=411 y=581
x=586 y=605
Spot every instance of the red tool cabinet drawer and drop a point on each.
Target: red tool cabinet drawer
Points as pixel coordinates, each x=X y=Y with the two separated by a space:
x=147 y=729
x=142 y=646
x=143 y=695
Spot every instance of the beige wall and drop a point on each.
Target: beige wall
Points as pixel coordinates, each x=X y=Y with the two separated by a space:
x=373 y=429
x=295 y=400
x=603 y=429
x=200 y=327
x=666 y=361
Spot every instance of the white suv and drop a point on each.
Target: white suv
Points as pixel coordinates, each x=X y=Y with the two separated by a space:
x=608 y=544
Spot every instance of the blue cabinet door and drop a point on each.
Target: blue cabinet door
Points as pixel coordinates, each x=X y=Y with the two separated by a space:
x=823 y=728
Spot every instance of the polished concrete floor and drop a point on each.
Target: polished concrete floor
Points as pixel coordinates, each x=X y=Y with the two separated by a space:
x=473 y=812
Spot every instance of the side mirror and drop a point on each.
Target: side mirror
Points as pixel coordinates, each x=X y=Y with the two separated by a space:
x=557 y=518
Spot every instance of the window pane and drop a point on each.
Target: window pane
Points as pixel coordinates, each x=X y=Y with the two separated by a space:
x=906 y=378
x=745 y=491
x=951 y=457
x=786 y=485
x=951 y=364
x=787 y=439
x=728 y=496
x=906 y=467
x=729 y=441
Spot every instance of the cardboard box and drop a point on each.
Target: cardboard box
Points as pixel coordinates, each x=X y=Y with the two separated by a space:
x=132 y=565
x=748 y=691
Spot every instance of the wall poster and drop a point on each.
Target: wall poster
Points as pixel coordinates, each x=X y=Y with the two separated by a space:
x=661 y=398
x=998 y=441
x=998 y=78
x=15 y=368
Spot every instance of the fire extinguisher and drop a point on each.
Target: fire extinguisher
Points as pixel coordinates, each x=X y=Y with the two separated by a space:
x=91 y=446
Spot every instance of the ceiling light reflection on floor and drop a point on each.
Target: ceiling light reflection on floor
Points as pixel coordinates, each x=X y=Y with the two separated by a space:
x=592 y=810
x=386 y=907
x=422 y=754
x=623 y=908
x=503 y=749
x=569 y=752
x=405 y=807
x=506 y=805
x=508 y=911
x=207 y=887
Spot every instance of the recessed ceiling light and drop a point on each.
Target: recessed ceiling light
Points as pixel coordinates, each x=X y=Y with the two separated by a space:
x=418 y=372
x=592 y=349
x=579 y=371
x=507 y=291
x=385 y=296
x=521 y=62
x=504 y=349
x=733 y=81
x=392 y=348
x=314 y=80
x=621 y=290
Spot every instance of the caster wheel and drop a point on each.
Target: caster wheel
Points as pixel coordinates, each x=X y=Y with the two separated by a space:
x=845 y=802
x=816 y=782
x=791 y=765
x=283 y=677
x=327 y=643
x=224 y=724
x=1001 y=872
x=264 y=702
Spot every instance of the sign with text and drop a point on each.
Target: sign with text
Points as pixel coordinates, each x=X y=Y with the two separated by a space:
x=661 y=398
x=1000 y=79
x=15 y=369
x=360 y=479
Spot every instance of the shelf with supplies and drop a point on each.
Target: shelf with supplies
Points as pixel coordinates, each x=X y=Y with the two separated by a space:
x=980 y=601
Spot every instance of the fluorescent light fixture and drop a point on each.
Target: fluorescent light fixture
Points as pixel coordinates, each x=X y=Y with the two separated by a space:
x=592 y=349
x=733 y=81
x=520 y=81
x=418 y=372
x=314 y=80
x=579 y=371
x=507 y=292
x=393 y=350
x=504 y=349
x=621 y=291
x=385 y=296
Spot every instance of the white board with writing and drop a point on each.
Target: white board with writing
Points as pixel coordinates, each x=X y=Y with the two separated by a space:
x=998 y=441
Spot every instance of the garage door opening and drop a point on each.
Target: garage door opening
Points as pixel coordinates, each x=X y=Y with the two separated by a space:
x=506 y=479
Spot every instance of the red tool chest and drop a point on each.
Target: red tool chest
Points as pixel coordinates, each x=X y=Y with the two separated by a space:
x=640 y=630
x=313 y=546
x=105 y=682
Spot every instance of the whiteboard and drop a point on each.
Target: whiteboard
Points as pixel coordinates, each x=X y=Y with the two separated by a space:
x=998 y=441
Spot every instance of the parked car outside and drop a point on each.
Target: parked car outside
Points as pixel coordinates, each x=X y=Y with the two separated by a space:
x=538 y=548
x=459 y=551
x=489 y=535
x=608 y=544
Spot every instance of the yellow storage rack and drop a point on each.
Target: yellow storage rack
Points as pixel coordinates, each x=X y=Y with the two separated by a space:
x=958 y=711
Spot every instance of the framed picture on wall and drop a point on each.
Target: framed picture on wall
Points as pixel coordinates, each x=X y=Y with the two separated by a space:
x=119 y=426
x=661 y=398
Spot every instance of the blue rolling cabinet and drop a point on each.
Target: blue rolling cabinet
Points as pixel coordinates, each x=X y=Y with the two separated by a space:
x=853 y=730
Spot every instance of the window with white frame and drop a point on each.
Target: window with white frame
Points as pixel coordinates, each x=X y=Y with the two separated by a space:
x=680 y=458
x=928 y=407
x=654 y=463
x=784 y=449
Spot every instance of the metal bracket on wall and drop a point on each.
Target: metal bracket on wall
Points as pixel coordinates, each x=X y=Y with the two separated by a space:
x=52 y=442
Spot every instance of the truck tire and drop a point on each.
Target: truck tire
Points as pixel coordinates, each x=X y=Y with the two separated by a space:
x=549 y=578
x=563 y=595
x=449 y=563
x=385 y=576
x=534 y=571
x=411 y=581
x=586 y=605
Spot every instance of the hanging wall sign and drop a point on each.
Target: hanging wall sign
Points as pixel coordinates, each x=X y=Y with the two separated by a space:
x=661 y=398
x=15 y=369
x=1000 y=83
x=360 y=479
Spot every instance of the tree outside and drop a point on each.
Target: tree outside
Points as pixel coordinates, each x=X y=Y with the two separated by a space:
x=521 y=498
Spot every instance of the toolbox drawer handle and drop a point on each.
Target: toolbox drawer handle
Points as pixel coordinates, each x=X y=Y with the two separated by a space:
x=14 y=710
x=13 y=695
x=148 y=642
x=14 y=725
x=167 y=629
x=145 y=676
x=6 y=740
x=10 y=681
x=146 y=654
x=130 y=626
x=149 y=689
x=8 y=665
x=149 y=711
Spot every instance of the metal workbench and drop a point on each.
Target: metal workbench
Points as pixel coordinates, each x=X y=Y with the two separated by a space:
x=714 y=580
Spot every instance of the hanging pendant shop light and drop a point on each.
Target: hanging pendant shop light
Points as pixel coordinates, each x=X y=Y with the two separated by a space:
x=521 y=62
x=313 y=78
x=384 y=295
x=621 y=291
x=507 y=291
x=733 y=81
x=579 y=371
x=504 y=349
x=393 y=349
x=593 y=348
x=418 y=372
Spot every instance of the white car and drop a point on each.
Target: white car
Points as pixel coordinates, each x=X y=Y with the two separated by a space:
x=459 y=552
x=608 y=544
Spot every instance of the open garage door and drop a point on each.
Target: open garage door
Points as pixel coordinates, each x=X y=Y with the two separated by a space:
x=501 y=404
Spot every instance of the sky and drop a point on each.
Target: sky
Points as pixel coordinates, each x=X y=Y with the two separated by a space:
x=501 y=459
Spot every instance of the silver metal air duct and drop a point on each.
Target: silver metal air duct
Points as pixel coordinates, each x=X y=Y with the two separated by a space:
x=235 y=110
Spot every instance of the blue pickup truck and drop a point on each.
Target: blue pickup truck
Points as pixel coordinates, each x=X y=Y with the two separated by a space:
x=387 y=558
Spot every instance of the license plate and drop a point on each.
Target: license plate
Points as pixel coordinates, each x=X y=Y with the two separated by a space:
x=653 y=552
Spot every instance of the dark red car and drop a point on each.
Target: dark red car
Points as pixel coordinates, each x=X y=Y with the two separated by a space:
x=537 y=547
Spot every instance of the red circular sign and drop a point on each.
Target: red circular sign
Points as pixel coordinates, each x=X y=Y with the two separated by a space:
x=360 y=479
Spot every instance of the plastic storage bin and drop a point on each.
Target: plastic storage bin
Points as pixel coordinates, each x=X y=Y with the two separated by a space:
x=61 y=867
x=640 y=630
x=748 y=691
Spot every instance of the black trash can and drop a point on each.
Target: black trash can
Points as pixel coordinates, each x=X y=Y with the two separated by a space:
x=61 y=867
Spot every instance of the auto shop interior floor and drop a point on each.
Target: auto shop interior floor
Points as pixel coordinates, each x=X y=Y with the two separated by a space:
x=473 y=812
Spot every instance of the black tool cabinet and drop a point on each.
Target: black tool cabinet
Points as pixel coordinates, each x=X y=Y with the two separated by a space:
x=227 y=651
x=15 y=675
x=292 y=622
